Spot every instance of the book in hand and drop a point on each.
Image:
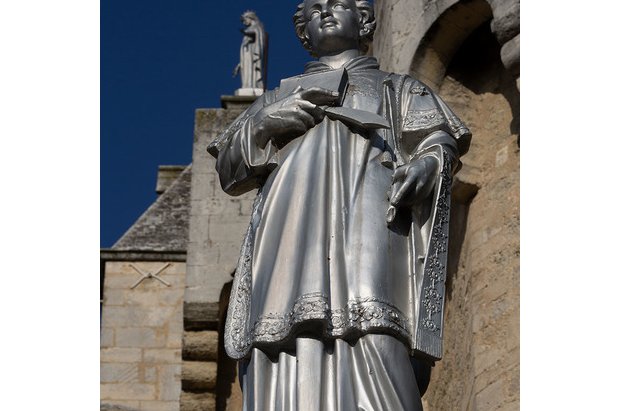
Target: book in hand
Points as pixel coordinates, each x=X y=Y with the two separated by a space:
x=333 y=80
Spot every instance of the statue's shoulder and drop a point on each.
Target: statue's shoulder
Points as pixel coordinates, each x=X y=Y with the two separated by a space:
x=410 y=84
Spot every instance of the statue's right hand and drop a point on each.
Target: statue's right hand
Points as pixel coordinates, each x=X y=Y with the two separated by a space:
x=292 y=116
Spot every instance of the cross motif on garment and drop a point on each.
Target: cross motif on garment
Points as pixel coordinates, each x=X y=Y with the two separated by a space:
x=150 y=275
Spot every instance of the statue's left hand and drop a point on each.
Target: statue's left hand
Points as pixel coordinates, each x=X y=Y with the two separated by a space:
x=413 y=182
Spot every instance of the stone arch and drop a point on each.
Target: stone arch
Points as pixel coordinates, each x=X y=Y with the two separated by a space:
x=444 y=37
x=480 y=367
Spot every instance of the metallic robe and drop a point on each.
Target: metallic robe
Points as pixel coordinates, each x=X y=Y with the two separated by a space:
x=319 y=262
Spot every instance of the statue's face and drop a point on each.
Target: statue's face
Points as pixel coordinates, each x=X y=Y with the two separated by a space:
x=332 y=26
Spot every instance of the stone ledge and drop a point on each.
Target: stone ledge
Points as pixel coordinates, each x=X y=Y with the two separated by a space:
x=200 y=345
x=107 y=254
x=236 y=102
x=191 y=401
x=198 y=376
x=115 y=407
x=200 y=316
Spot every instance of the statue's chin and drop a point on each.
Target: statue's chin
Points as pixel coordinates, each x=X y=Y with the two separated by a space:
x=334 y=45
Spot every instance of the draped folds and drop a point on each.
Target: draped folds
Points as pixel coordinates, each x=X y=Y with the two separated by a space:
x=372 y=374
x=327 y=302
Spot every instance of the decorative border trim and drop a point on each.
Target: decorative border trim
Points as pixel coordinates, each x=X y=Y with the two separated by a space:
x=422 y=119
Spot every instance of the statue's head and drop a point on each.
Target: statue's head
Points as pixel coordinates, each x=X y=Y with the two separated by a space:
x=331 y=26
x=248 y=16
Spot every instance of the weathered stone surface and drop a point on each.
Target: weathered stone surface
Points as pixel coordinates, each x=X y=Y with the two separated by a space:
x=162 y=355
x=405 y=26
x=128 y=316
x=506 y=15
x=124 y=275
x=199 y=376
x=444 y=37
x=480 y=365
x=139 y=337
x=116 y=354
x=149 y=373
x=118 y=373
x=159 y=405
x=166 y=175
x=164 y=225
x=198 y=401
x=165 y=390
x=145 y=325
x=511 y=55
x=120 y=406
x=200 y=345
x=107 y=254
x=127 y=391
x=209 y=207
x=107 y=337
x=236 y=103
x=200 y=316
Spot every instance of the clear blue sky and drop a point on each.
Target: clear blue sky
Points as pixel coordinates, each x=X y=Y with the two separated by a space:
x=160 y=61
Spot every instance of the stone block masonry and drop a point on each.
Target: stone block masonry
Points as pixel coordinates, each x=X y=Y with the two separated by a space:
x=479 y=80
x=141 y=336
x=217 y=223
x=217 y=220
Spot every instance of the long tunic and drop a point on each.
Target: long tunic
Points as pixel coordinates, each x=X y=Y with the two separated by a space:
x=319 y=259
x=252 y=56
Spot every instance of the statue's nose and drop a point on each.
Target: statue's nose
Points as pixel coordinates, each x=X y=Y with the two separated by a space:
x=326 y=13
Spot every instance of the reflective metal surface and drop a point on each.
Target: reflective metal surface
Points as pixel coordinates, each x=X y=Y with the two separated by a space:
x=346 y=250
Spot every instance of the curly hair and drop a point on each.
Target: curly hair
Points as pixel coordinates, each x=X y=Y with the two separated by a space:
x=249 y=14
x=364 y=7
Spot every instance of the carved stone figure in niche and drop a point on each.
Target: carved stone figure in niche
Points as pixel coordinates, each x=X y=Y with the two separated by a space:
x=253 y=56
x=337 y=300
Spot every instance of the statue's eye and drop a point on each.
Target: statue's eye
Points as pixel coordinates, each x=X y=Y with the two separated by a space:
x=339 y=6
x=314 y=12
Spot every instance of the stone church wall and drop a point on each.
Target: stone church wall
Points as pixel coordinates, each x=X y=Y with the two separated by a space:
x=466 y=51
x=217 y=225
x=141 y=334
x=161 y=347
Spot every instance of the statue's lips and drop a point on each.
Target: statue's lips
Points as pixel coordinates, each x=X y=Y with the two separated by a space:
x=329 y=23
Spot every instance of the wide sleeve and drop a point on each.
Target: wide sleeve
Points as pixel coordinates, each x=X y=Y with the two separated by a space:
x=241 y=164
x=430 y=128
x=427 y=120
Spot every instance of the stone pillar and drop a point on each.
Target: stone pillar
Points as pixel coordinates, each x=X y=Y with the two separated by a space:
x=217 y=225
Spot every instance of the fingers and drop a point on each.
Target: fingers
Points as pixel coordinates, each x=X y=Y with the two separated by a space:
x=404 y=188
x=397 y=177
x=393 y=190
x=315 y=111
x=319 y=96
x=405 y=178
x=306 y=118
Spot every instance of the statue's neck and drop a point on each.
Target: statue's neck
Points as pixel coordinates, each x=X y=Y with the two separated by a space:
x=338 y=60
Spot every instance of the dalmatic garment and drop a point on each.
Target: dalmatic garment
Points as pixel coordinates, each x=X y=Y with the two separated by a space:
x=319 y=262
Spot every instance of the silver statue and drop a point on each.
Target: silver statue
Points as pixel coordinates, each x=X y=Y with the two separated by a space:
x=252 y=56
x=337 y=301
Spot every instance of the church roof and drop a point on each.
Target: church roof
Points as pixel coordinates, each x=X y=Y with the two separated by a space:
x=164 y=226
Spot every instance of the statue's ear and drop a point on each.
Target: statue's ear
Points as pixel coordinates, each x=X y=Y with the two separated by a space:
x=306 y=36
x=364 y=18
